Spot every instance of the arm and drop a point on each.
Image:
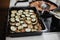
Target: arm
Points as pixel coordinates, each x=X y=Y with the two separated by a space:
x=37 y=5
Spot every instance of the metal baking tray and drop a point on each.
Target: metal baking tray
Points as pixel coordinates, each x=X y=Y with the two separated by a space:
x=21 y=34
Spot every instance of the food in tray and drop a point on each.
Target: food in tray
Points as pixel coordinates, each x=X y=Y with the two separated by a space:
x=24 y=25
x=33 y=20
x=33 y=30
x=26 y=10
x=39 y=26
x=28 y=18
x=35 y=27
x=30 y=26
x=12 y=19
x=31 y=11
x=12 y=23
x=20 y=27
x=23 y=16
x=34 y=23
x=19 y=11
x=22 y=30
x=17 y=16
x=14 y=11
x=27 y=29
x=27 y=15
x=12 y=15
x=33 y=16
x=17 y=24
x=17 y=19
x=18 y=31
x=13 y=28
x=28 y=22
x=24 y=21
x=24 y=13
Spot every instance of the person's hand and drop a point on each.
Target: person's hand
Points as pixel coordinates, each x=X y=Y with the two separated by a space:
x=47 y=10
x=36 y=5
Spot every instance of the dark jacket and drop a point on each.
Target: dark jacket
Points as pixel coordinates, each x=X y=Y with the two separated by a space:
x=45 y=14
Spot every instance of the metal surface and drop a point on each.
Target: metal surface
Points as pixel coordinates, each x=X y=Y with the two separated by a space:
x=12 y=4
x=44 y=36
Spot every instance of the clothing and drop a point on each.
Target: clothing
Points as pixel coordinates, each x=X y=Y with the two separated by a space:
x=55 y=25
x=47 y=22
x=47 y=18
x=45 y=14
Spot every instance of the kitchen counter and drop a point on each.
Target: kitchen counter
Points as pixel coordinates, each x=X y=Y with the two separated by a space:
x=44 y=36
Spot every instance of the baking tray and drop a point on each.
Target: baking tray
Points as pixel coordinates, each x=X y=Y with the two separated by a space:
x=24 y=33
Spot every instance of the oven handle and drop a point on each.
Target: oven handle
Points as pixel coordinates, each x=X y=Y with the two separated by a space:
x=16 y=3
x=24 y=3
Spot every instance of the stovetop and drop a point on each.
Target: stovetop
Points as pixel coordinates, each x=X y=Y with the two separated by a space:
x=23 y=4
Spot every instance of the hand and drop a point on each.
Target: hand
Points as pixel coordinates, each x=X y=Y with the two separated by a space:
x=36 y=5
x=47 y=10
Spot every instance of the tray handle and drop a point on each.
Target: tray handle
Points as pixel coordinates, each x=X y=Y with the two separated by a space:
x=20 y=1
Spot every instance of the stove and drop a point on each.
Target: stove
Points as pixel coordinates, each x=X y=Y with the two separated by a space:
x=19 y=3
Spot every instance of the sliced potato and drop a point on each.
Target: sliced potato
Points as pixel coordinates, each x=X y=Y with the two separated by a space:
x=27 y=29
x=26 y=10
x=12 y=19
x=17 y=19
x=33 y=16
x=12 y=15
x=17 y=24
x=28 y=15
x=20 y=27
x=20 y=11
x=13 y=28
x=24 y=25
x=28 y=22
x=31 y=10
